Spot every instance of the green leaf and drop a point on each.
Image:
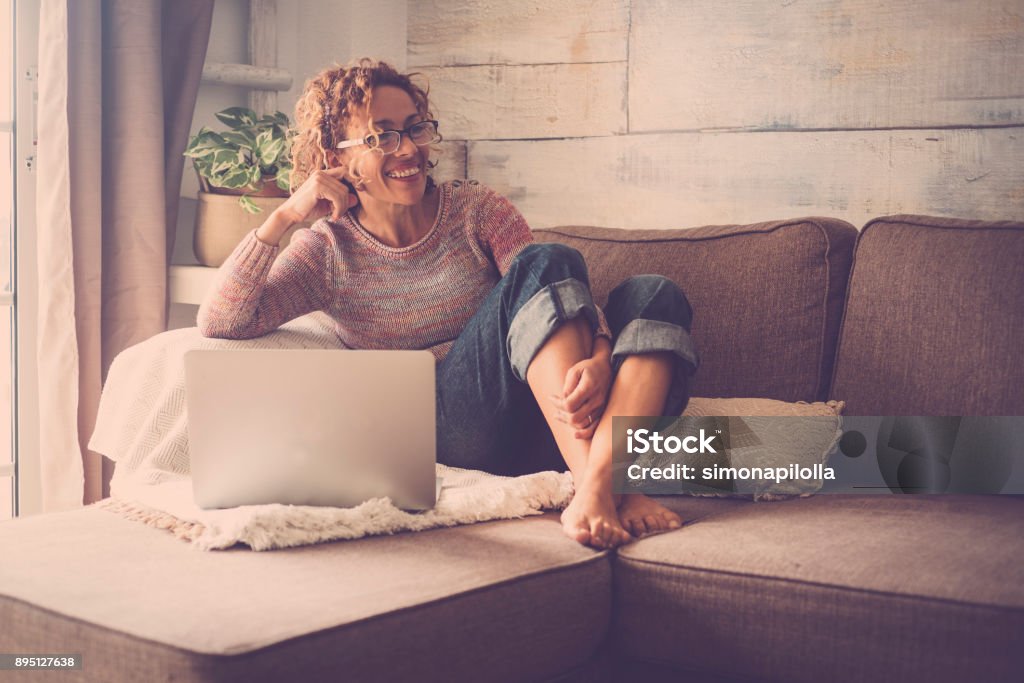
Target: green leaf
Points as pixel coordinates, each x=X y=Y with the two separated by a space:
x=276 y=117
x=236 y=117
x=262 y=140
x=239 y=139
x=234 y=178
x=204 y=169
x=284 y=178
x=221 y=169
x=224 y=156
x=248 y=204
x=202 y=134
x=270 y=150
x=254 y=177
x=203 y=143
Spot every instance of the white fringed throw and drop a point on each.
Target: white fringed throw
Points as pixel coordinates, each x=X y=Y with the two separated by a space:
x=142 y=426
x=468 y=496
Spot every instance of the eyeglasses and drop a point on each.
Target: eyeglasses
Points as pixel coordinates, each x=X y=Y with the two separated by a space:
x=388 y=141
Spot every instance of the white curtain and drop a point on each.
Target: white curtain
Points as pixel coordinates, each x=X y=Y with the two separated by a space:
x=117 y=86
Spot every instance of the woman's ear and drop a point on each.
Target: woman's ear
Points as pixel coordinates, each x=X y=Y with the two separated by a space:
x=341 y=160
x=332 y=159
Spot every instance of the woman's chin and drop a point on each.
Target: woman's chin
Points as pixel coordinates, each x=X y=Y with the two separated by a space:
x=406 y=192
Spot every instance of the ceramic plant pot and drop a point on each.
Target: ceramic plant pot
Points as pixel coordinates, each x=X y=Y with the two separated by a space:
x=221 y=224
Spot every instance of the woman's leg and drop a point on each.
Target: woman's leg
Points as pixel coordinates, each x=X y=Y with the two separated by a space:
x=538 y=321
x=531 y=325
x=546 y=376
x=484 y=404
x=654 y=359
x=591 y=517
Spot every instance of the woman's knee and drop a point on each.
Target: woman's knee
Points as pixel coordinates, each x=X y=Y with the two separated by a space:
x=653 y=297
x=545 y=287
x=552 y=259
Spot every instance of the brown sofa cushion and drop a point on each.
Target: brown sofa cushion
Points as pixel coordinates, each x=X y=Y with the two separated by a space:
x=934 y=320
x=767 y=298
x=832 y=588
x=510 y=600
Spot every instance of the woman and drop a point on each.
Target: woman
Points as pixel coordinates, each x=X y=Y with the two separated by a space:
x=529 y=369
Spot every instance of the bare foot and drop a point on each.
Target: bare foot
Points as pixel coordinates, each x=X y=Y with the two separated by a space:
x=642 y=515
x=591 y=519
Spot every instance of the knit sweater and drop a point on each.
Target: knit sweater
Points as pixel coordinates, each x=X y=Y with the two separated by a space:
x=380 y=297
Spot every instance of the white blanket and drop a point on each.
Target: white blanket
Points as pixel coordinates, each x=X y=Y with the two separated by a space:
x=142 y=426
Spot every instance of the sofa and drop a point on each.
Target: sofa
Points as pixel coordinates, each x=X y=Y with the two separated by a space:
x=911 y=315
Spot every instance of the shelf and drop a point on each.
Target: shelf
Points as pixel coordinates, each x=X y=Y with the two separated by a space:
x=189 y=284
x=248 y=76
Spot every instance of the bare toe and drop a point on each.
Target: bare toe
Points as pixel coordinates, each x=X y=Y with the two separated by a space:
x=575 y=528
x=607 y=534
x=611 y=535
x=652 y=522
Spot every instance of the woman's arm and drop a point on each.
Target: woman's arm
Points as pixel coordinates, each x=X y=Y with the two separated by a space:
x=256 y=290
x=254 y=293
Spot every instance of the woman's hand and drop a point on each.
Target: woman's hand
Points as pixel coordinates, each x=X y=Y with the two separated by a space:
x=585 y=394
x=321 y=194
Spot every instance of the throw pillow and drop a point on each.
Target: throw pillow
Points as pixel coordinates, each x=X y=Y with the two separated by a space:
x=761 y=407
x=757 y=439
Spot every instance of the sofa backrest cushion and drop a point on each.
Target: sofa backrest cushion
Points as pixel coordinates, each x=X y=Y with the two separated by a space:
x=767 y=298
x=934 y=319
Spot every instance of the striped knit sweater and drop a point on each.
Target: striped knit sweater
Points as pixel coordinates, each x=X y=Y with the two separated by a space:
x=416 y=297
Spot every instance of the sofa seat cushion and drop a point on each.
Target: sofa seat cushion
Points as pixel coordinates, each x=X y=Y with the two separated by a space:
x=832 y=588
x=506 y=600
x=767 y=298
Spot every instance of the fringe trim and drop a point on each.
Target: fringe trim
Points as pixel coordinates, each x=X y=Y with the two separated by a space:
x=182 y=529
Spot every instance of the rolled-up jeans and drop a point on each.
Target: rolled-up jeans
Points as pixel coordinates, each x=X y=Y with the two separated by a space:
x=487 y=416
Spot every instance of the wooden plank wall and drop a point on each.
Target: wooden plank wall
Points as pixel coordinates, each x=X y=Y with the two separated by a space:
x=661 y=114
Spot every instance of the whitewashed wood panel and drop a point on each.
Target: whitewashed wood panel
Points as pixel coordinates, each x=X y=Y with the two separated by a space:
x=555 y=100
x=678 y=180
x=263 y=51
x=247 y=76
x=451 y=162
x=470 y=32
x=708 y=64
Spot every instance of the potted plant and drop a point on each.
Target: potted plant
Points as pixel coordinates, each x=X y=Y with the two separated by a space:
x=243 y=172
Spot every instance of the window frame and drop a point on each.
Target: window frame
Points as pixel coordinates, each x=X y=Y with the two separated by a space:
x=25 y=430
x=9 y=469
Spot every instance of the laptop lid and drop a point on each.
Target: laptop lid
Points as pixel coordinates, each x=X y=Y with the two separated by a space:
x=332 y=427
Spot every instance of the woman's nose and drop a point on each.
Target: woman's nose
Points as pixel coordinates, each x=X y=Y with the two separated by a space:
x=406 y=147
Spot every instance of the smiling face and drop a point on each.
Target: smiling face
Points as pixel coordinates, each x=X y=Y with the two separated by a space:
x=400 y=177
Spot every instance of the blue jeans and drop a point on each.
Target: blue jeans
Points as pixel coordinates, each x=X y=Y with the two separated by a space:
x=487 y=417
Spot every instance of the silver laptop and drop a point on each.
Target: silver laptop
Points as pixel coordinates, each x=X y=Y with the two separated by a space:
x=311 y=427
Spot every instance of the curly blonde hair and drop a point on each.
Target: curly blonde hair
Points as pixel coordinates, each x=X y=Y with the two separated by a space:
x=328 y=101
